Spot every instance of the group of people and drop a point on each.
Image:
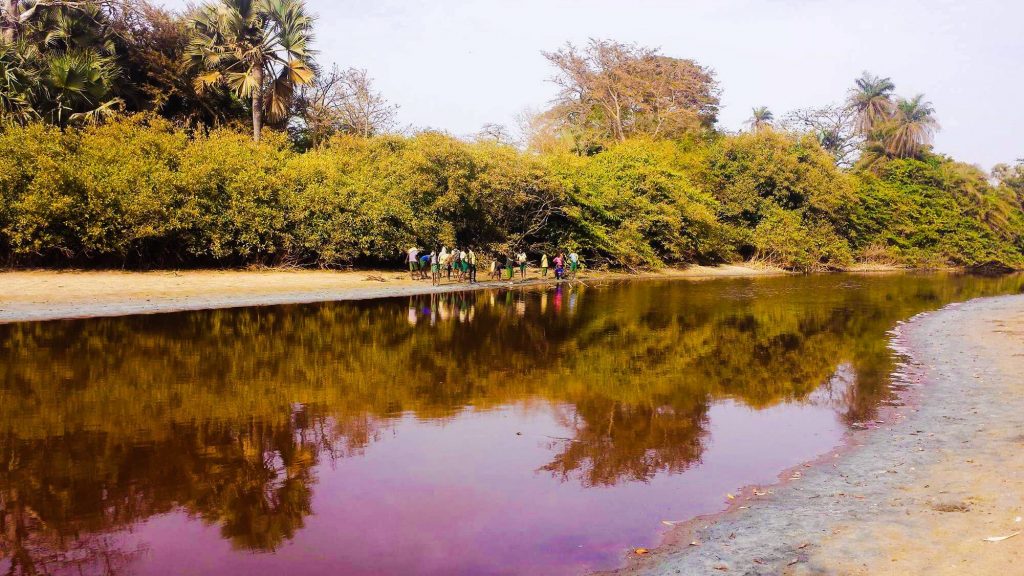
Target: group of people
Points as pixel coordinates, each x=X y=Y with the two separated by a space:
x=463 y=264
x=563 y=265
x=459 y=262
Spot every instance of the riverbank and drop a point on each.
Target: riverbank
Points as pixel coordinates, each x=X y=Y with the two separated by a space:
x=924 y=490
x=49 y=295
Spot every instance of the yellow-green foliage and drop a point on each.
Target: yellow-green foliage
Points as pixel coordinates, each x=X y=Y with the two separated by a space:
x=934 y=212
x=637 y=203
x=140 y=192
x=788 y=191
x=104 y=190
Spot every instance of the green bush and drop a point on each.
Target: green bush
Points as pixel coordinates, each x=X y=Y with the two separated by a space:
x=636 y=204
x=784 y=238
x=936 y=212
x=141 y=192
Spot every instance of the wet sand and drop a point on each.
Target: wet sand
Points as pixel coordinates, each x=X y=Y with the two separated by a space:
x=49 y=295
x=916 y=493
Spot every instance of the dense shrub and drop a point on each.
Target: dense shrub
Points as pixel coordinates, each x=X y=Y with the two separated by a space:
x=786 y=238
x=788 y=191
x=140 y=192
x=636 y=204
x=98 y=192
x=935 y=212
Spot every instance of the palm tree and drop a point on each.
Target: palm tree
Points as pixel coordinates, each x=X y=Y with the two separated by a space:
x=871 y=99
x=912 y=127
x=60 y=64
x=258 y=48
x=79 y=87
x=761 y=118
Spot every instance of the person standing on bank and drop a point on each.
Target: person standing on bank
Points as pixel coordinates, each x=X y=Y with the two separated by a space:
x=414 y=261
x=450 y=260
x=521 y=259
x=435 y=269
x=544 y=265
x=463 y=266
x=424 y=265
x=442 y=261
x=471 y=258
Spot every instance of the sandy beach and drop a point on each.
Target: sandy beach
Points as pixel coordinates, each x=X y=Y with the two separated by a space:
x=49 y=295
x=936 y=486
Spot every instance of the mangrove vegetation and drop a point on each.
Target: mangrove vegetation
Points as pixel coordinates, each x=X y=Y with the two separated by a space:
x=132 y=136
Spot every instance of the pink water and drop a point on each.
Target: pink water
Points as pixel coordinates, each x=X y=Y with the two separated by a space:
x=543 y=431
x=466 y=497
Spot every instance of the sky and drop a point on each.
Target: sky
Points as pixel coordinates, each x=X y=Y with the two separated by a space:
x=456 y=65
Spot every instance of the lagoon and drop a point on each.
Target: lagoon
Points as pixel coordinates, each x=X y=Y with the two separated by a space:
x=546 y=430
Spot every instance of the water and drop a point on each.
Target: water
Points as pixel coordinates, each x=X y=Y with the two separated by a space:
x=543 y=431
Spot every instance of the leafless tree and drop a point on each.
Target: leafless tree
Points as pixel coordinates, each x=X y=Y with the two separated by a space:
x=492 y=132
x=343 y=101
x=835 y=128
x=541 y=131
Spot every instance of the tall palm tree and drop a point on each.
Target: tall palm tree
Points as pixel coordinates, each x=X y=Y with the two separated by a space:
x=912 y=127
x=256 y=47
x=761 y=117
x=871 y=98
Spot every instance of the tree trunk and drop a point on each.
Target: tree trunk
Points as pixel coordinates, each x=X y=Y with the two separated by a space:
x=257 y=104
x=9 y=20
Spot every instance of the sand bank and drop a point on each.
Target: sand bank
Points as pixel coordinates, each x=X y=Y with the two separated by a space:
x=49 y=295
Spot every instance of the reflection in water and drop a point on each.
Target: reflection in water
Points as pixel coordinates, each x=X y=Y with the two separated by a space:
x=232 y=417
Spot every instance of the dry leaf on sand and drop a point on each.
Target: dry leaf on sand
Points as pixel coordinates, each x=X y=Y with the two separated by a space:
x=1000 y=538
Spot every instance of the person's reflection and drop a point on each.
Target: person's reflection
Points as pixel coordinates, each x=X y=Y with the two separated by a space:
x=412 y=317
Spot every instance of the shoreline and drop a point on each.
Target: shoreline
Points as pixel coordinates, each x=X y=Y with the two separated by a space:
x=916 y=494
x=40 y=295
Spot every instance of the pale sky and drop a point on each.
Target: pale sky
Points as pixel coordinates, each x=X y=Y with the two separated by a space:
x=458 y=64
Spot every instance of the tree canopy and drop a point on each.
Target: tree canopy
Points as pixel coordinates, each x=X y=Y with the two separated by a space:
x=611 y=91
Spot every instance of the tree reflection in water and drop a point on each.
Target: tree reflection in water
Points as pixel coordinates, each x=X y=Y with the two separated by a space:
x=227 y=414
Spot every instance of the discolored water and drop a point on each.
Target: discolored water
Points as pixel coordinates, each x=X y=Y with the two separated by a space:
x=543 y=431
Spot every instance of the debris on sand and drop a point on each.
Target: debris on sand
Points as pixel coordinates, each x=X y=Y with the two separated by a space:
x=1000 y=538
